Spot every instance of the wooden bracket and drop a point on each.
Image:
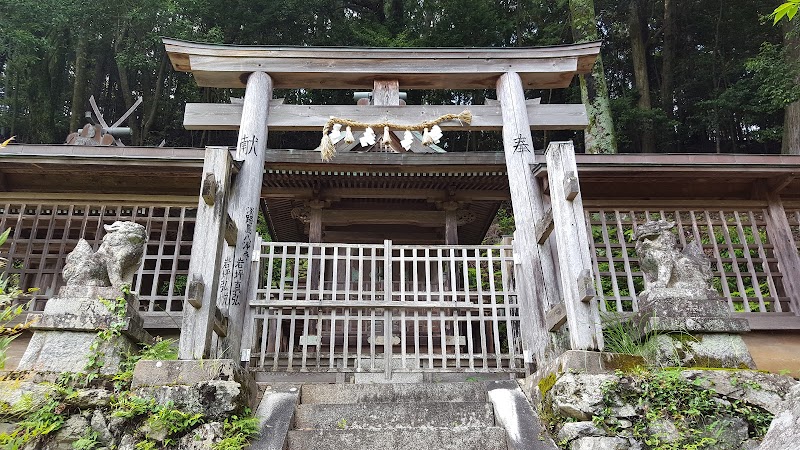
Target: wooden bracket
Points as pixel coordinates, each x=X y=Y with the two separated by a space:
x=194 y=293
x=556 y=317
x=209 y=189
x=586 y=291
x=220 y=323
x=231 y=232
x=571 y=185
x=780 y=183
x=544 y=227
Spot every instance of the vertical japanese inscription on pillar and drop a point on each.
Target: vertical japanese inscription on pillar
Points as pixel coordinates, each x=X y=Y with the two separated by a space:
x=223 y=297
x=242 y=258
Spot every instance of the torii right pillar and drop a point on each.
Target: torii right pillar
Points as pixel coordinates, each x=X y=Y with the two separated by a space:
x=537 y=280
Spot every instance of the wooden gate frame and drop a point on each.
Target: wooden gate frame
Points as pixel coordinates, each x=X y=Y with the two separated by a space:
x=509 y=71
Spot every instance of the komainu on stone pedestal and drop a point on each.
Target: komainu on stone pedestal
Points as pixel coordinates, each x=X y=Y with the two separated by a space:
x=678 y=284
x=114 y=263
x=90 y=302
x=679 y=301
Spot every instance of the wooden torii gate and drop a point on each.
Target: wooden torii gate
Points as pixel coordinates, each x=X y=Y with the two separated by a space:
x=225 y=232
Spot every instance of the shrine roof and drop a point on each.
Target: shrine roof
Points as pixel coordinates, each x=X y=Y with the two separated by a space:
x=227 y=66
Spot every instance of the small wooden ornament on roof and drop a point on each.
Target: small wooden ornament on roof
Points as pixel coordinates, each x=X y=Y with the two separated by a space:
x=102 y=134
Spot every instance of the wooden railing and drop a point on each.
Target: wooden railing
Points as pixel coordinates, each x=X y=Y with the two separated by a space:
x=735 y=239
x=384 y=308
x=747 y=267
x=43 y=234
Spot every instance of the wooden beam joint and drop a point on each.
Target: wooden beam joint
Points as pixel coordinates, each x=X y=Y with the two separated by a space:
x=231 y=232
x=194 y=293
x=586 y=290
x=571 y=185
x=556 y=317
x=220 y=323
x=209 y=189
x=544 y=227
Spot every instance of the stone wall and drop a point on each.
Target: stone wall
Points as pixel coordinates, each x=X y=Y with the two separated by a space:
x=664 y=409
x=211 y=410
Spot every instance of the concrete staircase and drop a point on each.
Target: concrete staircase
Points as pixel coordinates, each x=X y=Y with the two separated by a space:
x=448 y=416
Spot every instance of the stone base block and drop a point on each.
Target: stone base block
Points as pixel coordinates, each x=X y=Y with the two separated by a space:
x=68 y=351
x=719 y=350
x=584 y=361
x=80 y=308
x=191 y=372
x=674 y=302
x=695 y=325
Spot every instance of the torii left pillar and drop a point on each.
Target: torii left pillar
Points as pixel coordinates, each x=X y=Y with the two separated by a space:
x=243 y=198
x=243 y=207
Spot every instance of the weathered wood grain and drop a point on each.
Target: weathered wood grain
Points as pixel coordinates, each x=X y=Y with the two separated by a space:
x=780 y=235
x=350 y=217
x=386 y=93
x=575 y=263
x=243 y=204
x=536 y=273
x=317 y=67
x=197 y=323
x=224 y=116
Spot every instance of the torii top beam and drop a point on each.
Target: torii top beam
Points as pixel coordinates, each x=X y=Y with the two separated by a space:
x=227 y=66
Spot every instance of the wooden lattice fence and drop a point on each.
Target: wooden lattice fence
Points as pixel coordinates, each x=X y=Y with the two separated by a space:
x=44 y=233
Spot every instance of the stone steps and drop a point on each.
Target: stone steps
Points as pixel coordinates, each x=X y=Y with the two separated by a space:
x=489 y=438
x=392 y=393
x=394 y=415
x=443 y=416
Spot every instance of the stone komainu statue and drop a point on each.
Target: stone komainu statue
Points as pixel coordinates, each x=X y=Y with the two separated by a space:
x=114 y=263
x=664 y=267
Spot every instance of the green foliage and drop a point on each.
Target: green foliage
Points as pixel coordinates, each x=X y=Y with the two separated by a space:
x=178 y=286
x=788 y=10
x=237 y=432
x=40 y=422
x=88 y=441
x=626 y=336
x=165 y=418
x=129 y=406
x=161 y=350
x=667 y=395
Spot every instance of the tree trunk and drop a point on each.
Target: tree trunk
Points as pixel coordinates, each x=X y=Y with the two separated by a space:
x=668 y=67
x=150 y=116
x=641 y=76
x=397 y=17
x=791 y=118
x=127 y=94
x=79 y=85
x=599 y=135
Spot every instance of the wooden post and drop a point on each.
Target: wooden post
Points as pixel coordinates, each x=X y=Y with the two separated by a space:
x=537 y=284
x=243 y=204
x=450 y=222
x=248 y=331
x=386 y=93
x=572 y=240
x=207 y=244
x=780 y=236
x=451 y=228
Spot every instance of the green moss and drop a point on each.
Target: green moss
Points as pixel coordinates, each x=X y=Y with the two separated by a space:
x=624 y=362
x=546 y=383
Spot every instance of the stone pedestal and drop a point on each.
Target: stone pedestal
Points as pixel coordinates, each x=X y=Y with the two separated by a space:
x=693 y=327
x=65 y=331
x=216 y=388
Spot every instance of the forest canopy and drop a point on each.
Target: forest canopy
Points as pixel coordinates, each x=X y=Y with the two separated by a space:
x=682 y=75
